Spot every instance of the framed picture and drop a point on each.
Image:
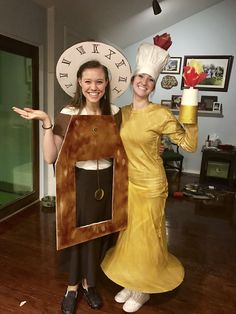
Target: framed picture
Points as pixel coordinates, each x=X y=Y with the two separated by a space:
x=218 y=69
x=176 y=101
x=207 y=102
x=173 y=66
x=217 y=106
x=166 y=103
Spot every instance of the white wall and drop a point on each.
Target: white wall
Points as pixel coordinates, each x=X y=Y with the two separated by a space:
x=23 y=20
x=210 y=32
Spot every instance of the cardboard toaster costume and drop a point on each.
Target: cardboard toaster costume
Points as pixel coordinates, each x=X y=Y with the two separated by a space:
x=90 y=138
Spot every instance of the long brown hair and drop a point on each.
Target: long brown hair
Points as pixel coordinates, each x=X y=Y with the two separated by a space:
x=79 y=100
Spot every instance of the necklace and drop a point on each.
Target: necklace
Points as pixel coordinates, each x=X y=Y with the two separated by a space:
x=99 y=193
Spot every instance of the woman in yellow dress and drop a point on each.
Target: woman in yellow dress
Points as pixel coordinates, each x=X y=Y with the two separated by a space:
x=140 y=261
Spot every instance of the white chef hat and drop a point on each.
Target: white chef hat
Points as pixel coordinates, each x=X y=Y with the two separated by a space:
x=151 y=59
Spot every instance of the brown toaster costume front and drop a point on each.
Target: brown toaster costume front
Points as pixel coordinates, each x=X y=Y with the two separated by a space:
x=88 y=138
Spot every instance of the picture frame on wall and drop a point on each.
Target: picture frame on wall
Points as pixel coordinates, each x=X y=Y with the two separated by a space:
x=176 y=101
x=218 y=69
x=173 y=66
x=166 y=103
x=207 y=103
x=217 y=106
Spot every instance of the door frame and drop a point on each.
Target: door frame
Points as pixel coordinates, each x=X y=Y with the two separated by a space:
x=29 y=51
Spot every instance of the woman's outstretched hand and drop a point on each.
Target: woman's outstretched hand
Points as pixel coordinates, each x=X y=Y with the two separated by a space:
x=51 y=143
x=29 y=114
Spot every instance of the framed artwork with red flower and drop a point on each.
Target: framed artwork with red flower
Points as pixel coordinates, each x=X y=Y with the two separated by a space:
x=217 y=69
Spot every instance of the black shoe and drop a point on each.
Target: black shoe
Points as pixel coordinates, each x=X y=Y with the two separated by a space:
x=68 y=304
x=92 y=297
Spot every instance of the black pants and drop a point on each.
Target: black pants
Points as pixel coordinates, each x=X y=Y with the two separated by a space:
x=85 y=258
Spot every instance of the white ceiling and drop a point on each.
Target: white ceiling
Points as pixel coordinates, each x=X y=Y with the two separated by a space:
x=122 y=22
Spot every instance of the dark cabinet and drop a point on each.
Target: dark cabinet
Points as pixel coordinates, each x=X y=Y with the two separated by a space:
x=218 y=167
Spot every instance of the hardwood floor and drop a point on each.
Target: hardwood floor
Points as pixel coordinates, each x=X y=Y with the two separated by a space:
x=201 y=233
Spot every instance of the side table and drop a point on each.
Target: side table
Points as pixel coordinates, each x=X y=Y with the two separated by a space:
x=218 y=167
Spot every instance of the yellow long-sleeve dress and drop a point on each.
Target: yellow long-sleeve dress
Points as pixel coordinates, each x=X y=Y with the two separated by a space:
x=140 y=259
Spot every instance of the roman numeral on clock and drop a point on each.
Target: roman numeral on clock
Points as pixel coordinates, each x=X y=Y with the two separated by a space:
x=117 y=90
x=118 y=65
x=81 y=50
x=66 y=61
x=63 y=75
x=68 y=85
x=122 y=79
x=110 y=54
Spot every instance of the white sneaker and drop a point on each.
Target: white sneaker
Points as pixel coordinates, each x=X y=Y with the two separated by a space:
x=123 y=295
x=135 y=302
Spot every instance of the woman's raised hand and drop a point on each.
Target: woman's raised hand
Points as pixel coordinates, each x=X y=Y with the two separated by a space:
x=29 y=114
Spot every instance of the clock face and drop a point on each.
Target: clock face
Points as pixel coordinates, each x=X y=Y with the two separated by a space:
x=72 y=58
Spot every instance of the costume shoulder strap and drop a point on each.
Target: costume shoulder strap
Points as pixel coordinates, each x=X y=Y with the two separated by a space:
x=61 y=124
x=118 y=119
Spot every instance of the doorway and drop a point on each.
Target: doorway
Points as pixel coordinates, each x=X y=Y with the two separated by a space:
x=19 y=138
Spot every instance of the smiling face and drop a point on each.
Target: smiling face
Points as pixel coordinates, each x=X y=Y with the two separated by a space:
x=143 y=85
x=93 y=84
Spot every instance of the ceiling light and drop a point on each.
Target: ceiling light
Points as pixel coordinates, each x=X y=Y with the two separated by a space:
x=156 y=7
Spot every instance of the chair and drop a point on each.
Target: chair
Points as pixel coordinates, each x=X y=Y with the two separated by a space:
x=172 y=159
